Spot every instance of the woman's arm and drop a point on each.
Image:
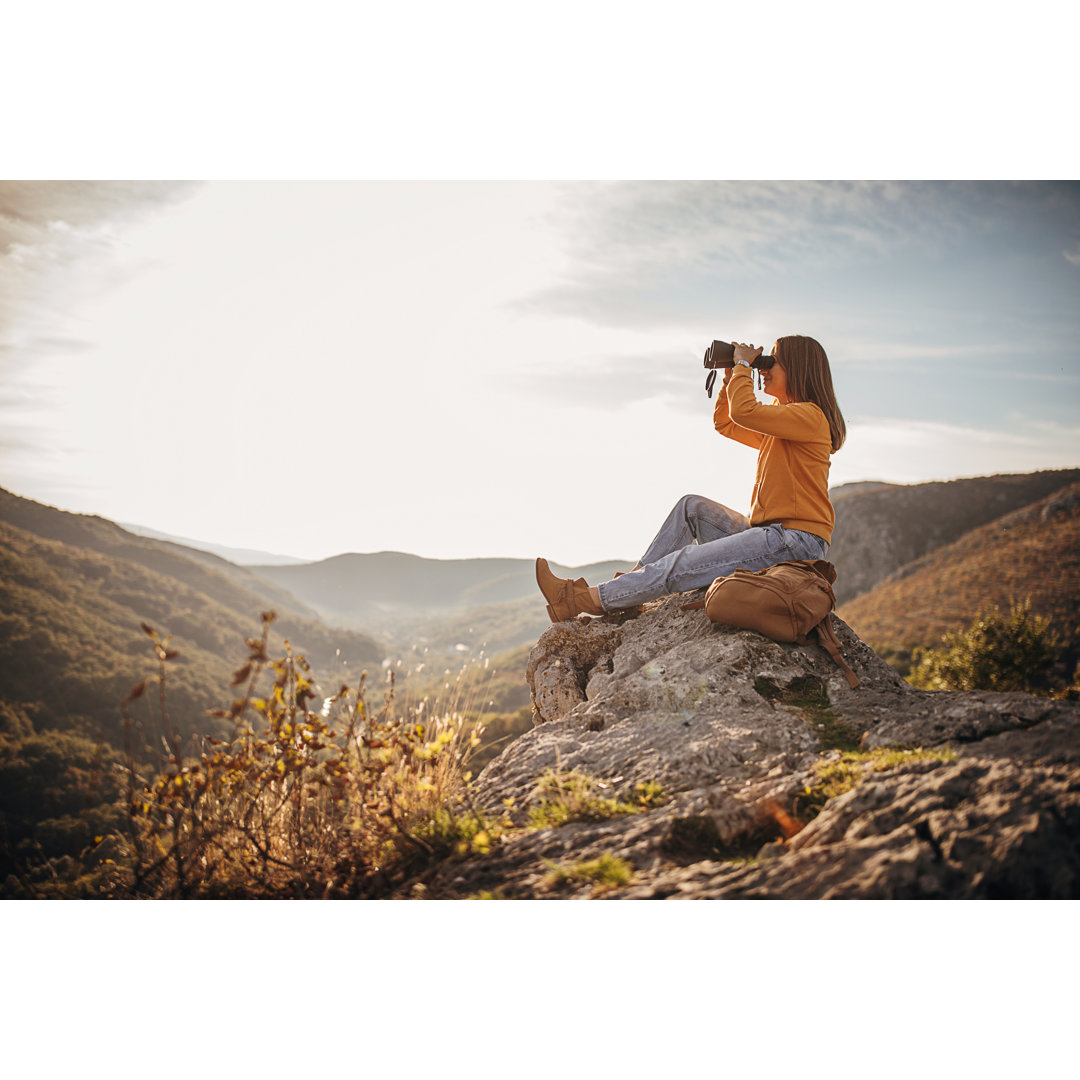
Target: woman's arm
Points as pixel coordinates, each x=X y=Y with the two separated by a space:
x=722 y=418
x=799 y=421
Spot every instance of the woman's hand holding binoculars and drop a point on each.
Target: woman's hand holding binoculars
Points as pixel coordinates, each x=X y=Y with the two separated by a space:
x=747 y=353
x=721 y=354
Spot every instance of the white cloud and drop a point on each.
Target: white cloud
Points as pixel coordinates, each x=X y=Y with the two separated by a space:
x=50 y=233
x=917 y=451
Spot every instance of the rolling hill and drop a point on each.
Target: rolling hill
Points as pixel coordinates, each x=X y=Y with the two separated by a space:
x=74 y=590
x=390 y=590
x=881 y=528
x=198 y=568
x=240 y=556
x=1030 y=554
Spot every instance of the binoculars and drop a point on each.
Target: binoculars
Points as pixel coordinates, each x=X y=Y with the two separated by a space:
x=721 y=354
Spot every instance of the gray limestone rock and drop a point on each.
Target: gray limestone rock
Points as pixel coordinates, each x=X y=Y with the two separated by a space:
x=735 y=728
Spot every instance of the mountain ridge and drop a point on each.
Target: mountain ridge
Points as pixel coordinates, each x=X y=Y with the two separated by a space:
x=239 y=556
x=1001 y=562
x=356 y=586
x=881 y=529
x=74 y=590
x=196 y=567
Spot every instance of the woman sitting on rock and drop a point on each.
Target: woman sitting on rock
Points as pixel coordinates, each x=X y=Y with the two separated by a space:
x=791 y=516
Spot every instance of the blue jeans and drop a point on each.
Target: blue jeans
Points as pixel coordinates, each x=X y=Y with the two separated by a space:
x=700 y=541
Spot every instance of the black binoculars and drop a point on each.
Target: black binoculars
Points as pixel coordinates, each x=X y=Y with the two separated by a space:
x=721 y=354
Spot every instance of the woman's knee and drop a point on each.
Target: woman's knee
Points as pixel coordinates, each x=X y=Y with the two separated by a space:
x=691 y=506
x=710 y=520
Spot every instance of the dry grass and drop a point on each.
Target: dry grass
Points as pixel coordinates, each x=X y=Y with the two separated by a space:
x=307 y=799
x=1000 y=564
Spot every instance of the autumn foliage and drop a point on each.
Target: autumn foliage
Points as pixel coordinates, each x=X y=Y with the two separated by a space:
x=309 y=797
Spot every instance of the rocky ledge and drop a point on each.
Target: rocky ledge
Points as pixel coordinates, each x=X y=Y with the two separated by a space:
x=759 y=773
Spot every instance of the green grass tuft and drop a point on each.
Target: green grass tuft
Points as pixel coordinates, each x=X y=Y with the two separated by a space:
x=839 y=775
x=576 y=796
x=606 y=873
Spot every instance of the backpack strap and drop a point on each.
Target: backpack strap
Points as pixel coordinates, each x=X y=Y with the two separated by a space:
x=697 y=605
x=831 y=644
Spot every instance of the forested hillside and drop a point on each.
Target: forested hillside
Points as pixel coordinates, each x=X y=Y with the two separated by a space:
x=199 y=569
x=71 y=648
x=72 y=644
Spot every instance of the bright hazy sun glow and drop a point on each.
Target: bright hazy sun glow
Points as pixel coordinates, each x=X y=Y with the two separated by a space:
x=496 y=368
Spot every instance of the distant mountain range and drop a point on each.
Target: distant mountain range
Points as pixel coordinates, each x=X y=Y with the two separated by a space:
x=240 y=556
x=391 y=581
x=439 y=604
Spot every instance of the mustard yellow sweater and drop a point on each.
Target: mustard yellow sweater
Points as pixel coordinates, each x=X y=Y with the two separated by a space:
x=793 y=443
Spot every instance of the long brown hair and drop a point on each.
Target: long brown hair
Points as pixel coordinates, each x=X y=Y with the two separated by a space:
x=809 y=379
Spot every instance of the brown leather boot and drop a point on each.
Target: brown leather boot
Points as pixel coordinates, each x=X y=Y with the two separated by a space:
x=565 y=598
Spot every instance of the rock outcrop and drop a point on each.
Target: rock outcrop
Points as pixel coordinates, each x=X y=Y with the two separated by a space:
x=778 y=779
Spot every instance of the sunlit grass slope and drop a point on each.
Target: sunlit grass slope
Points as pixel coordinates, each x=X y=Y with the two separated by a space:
x=1033 y=553
x=880 y=529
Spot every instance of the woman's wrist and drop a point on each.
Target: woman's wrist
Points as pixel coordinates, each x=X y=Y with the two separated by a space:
x=742 y=352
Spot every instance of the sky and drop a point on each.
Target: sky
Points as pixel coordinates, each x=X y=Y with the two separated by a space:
x=509 y=368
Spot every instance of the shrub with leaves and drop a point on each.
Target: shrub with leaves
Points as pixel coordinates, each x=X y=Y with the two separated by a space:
x=996 y=652
x=301 y=802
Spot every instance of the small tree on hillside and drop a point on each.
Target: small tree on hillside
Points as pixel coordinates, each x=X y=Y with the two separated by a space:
x=996 y=652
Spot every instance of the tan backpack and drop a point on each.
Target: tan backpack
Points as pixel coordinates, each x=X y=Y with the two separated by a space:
x=785 y=602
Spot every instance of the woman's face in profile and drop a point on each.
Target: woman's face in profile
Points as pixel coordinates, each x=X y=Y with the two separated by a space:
x=774 y=380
